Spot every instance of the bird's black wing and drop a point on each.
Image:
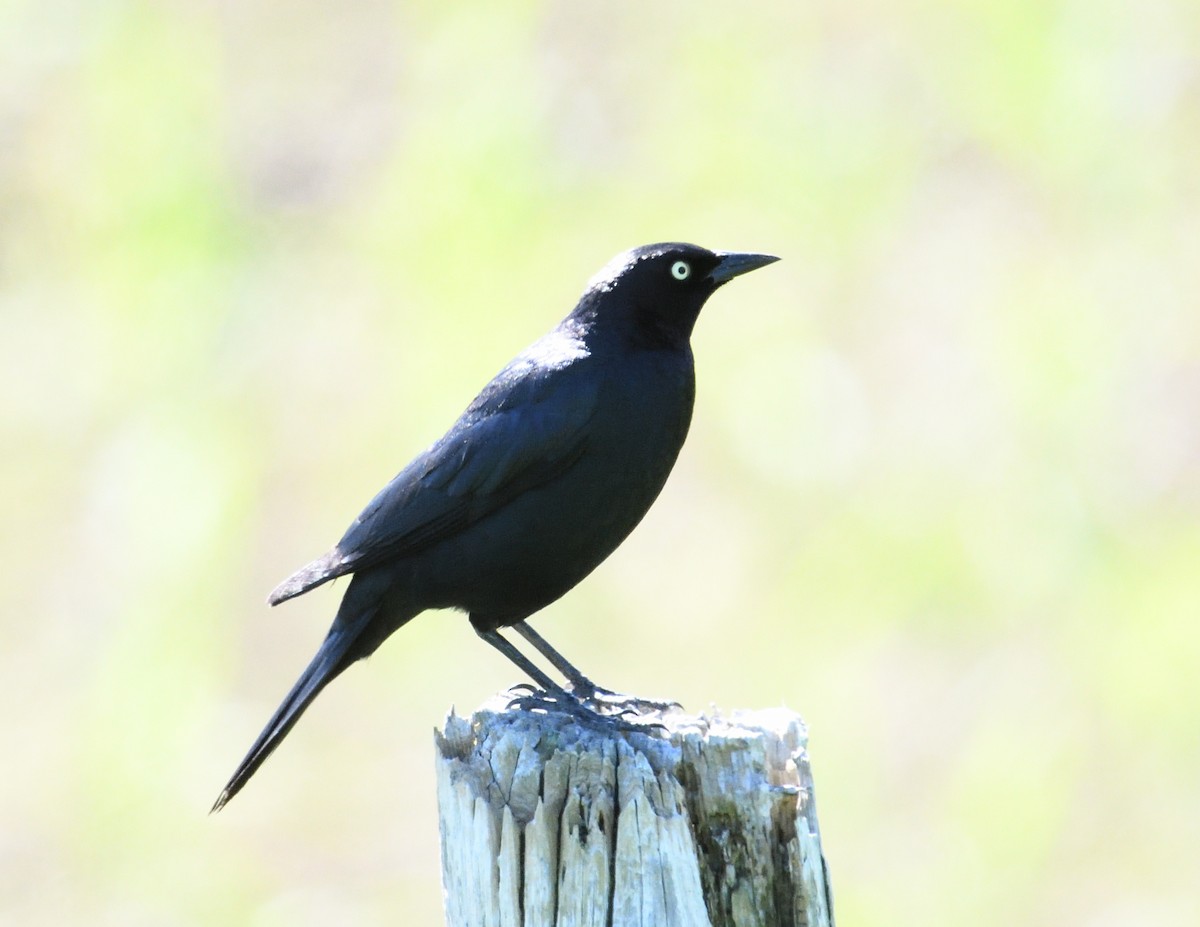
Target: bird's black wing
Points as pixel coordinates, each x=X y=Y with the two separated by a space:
x=526 y=428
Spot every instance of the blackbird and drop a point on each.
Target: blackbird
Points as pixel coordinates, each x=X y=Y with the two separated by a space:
x=540 y=479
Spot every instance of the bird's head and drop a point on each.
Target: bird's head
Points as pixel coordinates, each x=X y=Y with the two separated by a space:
x=661 y=288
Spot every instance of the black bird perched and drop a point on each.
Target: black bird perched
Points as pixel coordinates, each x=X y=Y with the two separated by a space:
x=539 y=480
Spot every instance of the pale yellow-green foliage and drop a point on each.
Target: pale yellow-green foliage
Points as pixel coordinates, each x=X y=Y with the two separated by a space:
x=942 y=493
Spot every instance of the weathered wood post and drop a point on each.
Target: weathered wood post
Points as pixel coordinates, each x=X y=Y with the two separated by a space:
x=547 y=823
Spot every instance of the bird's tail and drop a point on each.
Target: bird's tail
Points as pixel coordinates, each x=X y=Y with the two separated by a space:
x=336 y=653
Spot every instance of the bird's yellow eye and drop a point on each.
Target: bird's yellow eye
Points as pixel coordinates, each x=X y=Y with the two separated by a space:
x=681 y=270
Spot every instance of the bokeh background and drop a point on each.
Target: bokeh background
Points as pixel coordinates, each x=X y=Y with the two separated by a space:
x=941 y=494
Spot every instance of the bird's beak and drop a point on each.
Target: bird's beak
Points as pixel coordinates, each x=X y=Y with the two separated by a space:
x=734 y=264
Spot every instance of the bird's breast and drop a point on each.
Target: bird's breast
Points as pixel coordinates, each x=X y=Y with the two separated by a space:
x=541 y=543
x=640 y=424
x=632 y=442
x=546 y=540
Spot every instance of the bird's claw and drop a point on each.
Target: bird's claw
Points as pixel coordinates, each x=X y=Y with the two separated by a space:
x=534 y=698
x=630 y=703
x=600 y=697
x=569 y=704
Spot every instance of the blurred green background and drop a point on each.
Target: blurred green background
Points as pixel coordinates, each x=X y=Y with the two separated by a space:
x=941 y=493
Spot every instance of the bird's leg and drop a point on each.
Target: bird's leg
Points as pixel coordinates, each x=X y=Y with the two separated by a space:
x=582 y=687
x=553 y=697
x=527 y=666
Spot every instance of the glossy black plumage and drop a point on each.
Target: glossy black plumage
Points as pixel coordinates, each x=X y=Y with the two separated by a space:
x=539 y=480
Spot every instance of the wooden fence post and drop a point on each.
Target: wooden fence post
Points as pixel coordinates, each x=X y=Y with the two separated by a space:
x=546 y=823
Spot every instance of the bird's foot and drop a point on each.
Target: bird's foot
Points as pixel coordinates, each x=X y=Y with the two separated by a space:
x=567 y=703
x=633 y=703
x=587 y=691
